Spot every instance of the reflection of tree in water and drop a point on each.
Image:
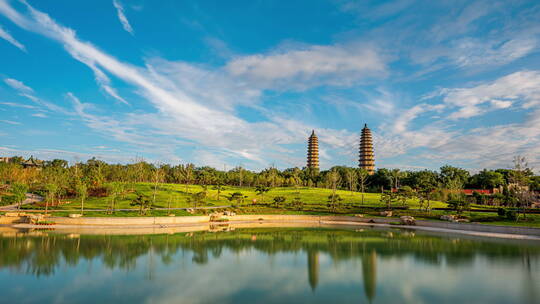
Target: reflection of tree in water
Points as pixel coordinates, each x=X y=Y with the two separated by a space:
x=313 y=268
x=530 y=285
x=41 y=254
x=369 y=274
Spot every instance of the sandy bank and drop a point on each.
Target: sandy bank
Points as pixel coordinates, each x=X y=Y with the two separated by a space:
x=160 y=225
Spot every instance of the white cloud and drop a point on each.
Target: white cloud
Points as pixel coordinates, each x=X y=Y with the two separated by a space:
x=40 y=115
x=519 y=87
x=7 y=36
x=122 y=16
x=336 y=65
x=194 y=106
x=481 y=147
x=28 y=92
x=46 y=153
x=197 y=107
x=19 y=86
x=41 y=23
x=10 y=122
x=475 y=52
x=17 y=105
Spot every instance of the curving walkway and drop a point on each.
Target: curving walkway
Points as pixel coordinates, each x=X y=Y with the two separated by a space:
x=30 y=199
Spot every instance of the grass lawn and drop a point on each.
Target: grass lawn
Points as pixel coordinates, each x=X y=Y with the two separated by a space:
x=314 y=199
x=177 y=195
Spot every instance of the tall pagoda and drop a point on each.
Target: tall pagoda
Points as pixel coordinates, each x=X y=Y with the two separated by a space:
x=367 y=157
x=313 y=151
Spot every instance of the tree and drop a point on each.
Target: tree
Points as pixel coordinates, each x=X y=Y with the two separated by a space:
x=487 y=179
x=422 y=179
x=197 y=199
x=405 y=193
x=297 y=203
x=479 y=198
x=332 y=179
x=381 y=179
x=52 y=190
x=157 y=177
x=187 y=174
x=82 y=192
x=389 y=197
x=519 y=183
x=363 y=176
x=351 y=179
x=59 y=163
x=395 y=176
x=457 y=202
x=333 y=201
x=453 y=177
x=238 y=197
x=115 y=189
x=278 y=200
x=19 y=191
x=143 y=202
x=219 y=187
x=426 y=183
x=261 y=190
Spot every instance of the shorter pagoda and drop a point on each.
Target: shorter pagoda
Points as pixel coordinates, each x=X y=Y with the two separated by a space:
x=313 y=151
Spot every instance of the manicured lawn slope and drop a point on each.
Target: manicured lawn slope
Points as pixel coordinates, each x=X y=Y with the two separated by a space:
x=315 y=202
x=179 y=194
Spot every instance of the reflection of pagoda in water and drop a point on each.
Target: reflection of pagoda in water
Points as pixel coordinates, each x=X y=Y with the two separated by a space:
x=369 y=273
x=313 y=268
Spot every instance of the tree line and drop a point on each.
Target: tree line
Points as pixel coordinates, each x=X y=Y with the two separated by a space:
x=57 y=178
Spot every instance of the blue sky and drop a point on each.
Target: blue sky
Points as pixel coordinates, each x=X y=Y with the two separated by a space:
x=227 y=83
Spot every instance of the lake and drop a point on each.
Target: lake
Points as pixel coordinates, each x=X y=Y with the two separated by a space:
x=268 y=265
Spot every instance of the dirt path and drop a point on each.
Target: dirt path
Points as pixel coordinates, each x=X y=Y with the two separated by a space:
x=30 y=199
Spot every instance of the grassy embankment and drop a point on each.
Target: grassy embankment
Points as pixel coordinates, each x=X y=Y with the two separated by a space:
x=315 y=202
x=315 y=199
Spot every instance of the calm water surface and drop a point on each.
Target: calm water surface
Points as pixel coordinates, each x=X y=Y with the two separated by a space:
x=268 y=265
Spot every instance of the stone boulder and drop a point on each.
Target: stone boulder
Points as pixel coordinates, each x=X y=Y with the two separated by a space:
x=15 y=214
x=386 y=213
x=190 y=210
x=75 y=215
x=358 y=215
x=215 y=216
x=35 y=218
x=448 y=217
x=407 y=220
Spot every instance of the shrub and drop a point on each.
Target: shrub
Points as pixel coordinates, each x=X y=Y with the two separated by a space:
x=8 y=200
x=511 y=215
x=278 y=200
x=501 y=212
x=458 y=205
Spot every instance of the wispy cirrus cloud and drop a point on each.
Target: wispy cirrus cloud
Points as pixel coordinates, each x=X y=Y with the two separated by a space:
x=29 y=93
x=19 y=86
x=10 y=122
x=17 y=105
x=198 y=107
x=122 y=17
x=193 y=104
x=42 y=24
x=4 y=34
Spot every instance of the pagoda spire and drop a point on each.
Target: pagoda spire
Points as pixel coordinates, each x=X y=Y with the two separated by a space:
x=367 y=157
x=313 y=151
